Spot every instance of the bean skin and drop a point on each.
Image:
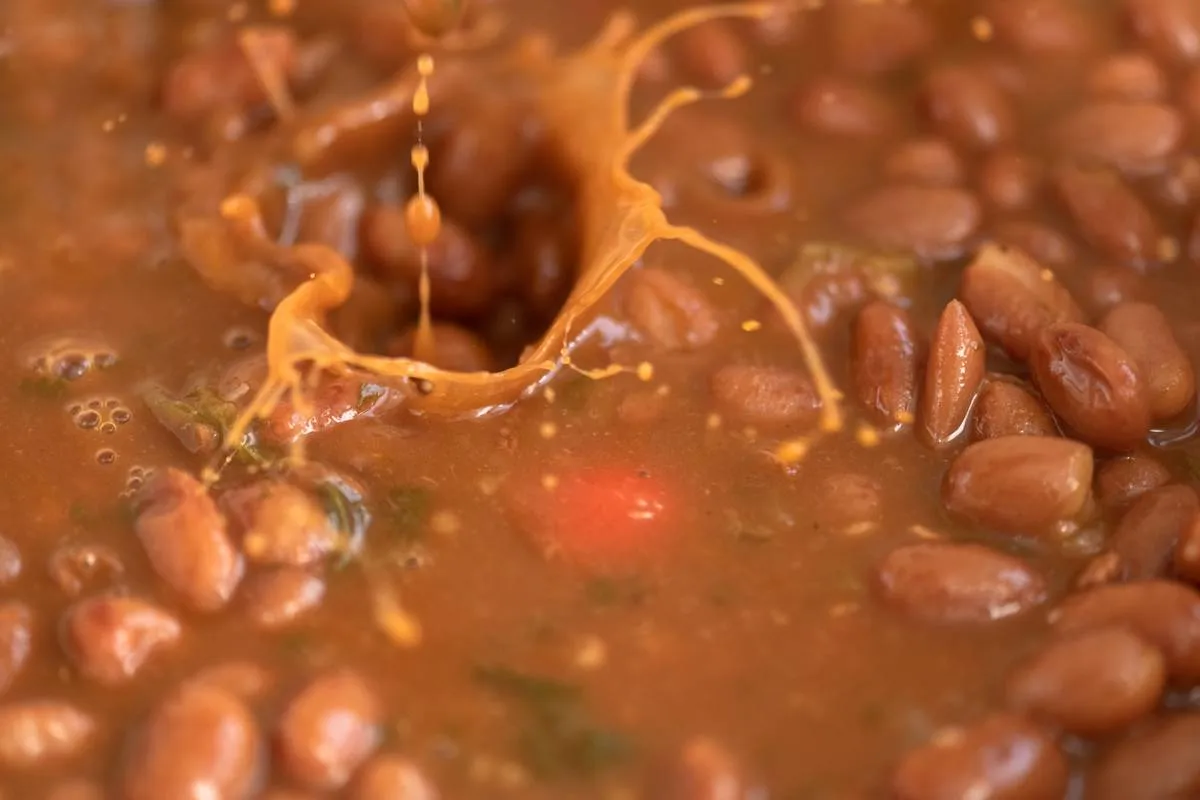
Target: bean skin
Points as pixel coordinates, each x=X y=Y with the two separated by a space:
x=39 y=733
x=1143 y=331
x=669 y=312
x=109 y=639
x=762 y=395
x=885 y=364
x=1170 y=28
x=1186 y=558
x=392 y=778
x=1120 y=481
x=1133 y=137
x=1109 y=215
x=328 y=730
x=933 y=222
x=1005 y=408
x=953 y=375
x=1159 y=762
x=1146 y=537
x=16 y=641
x=968 y=108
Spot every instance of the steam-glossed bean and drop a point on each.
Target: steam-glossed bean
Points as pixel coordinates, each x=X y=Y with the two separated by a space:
x=933 y=222
x=1146 y=537
x=1169 y=28
x=390 y=777
x=281 y=524
x=1133 y=137
x=1161 y=760
x=278 y=598
x=874 y=39
x=328 y=730
x=1143 y=331
x=932 y=162
x=967 y=107
x=1109 y=215
x=885 y=364
x=41 y=734
x=1121 y=480
x=762 y=395
x=1005 y=408
x=16 y=641
x=1129 y=77
x=952 y=376
x=840 y=107
x=108 y=639
x=668 y=311
x=1009 y=180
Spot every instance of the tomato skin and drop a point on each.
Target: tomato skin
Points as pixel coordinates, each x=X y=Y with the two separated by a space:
x=596 y=516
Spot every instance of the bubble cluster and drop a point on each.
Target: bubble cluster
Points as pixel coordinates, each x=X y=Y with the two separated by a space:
x=135 y=479
x=103 y=414
x=70 y=359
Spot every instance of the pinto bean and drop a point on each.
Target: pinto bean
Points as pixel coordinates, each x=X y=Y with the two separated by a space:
x=1019 y=484
x=872 y=40
x=328 y=730
x=1005 y=408
x=1128 y=76
x=10 y=561
x=1146 y=537
x=1109 y=215
x=16 y=641
x=109 y=639
x=1170 y=28
x=1158 y=761
x=850 y=501
x=1042 y=243
x=702 y=770
x=844 y=108
x=1009 y=180
x=884 y=364
x=277 y=598
x=670 y=312
x=1143 y=331
x=932 y=162
x=762 y=395
x=392 y=778
x=933 y=222
x=1107 y=286
x=1133 y=137
x=1042 y=28
x=967 y=107
x=40 y=733
x=74 y=567
x=1187 y=551
x=952 y=376
x=281 y=524
x=1120 y=481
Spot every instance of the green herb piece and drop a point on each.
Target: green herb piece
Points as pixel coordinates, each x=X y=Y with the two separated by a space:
x=559 y=740
x=407 y=507
x=49 y=387
x=200 y=420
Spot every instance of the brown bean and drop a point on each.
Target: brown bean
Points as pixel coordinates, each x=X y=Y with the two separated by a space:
x=872 y=40
x=38 y=733
x=849 y=501
x=1145 y=539
x=761 y=395
x=16 y=641
x=1093 y=683
x=336 y=399
x=1164 y=613
x=1092 y=384
x=844 y=108
x=392 y=778
x=109 y=639
x=1019 y=484
x=1002 y=757
x=1106 y=286
x=1011 y=298
x=328 y=730
x=10 y=561
x=711 y=54
x=1120 y=481
x=884 y=364
x=702 y=770
x=1186 y=559
x=1109 y=215
x=197 y=736
x=75 y=789
x=967 y=107
x=1142 y=331
x=1189 y=97
x=1158 y=761
x=74 y=567
x=931 y=162
x=1133 y=137
x=1042 y=27
x=278 y=598
x=1006 y=409
x=1170 y=28
x=944 y=582
x=545 y=252
x=281 y=524
x=454 y=348
x=1008 y=180
x=952 y=376
x=1127 y=76
x=185 y=538
x=1042 y=243
x=932 y=222
x=669 y=312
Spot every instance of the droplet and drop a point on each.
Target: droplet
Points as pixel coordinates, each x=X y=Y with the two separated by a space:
x=88 y=419
x=423 y=219
x=121 y=415
x=106 y=456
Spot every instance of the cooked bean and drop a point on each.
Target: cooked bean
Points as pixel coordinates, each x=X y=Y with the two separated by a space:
x=953 y=374
x=967 y=107
x=849 y=501
x=1003 y=757
x=1164 y=613
x=1110 y=216
x=244 y=680
x=669 y=312
x=454 y=348
x=435 y=18
x=109 y=639
x=1186 y=560
x=328 y=730
x=828 y=295
x=1042 y=27
x=281 y=524
x=392 y=778
x=1128 y=76
x=933 y=222
x=221 y=77
x=1105 y=287
x=74 y=567
x=1009 y=180
x=1092 y=384
x=932 y=162
x=1093 y=683
x=711 y=54
x=1145 y=334
x=1189 y=97
x=75 y=789
x=1145 y=539
x=336 y=399
x=544 y=253
x=38 y=733
x=185 y=538
x=875 y=39
x=884 y=364
x=10 y=561
x=702 y=770
x=1019 y=484
x=1134 y=137
x=197 y=736
x=955 y=583
x=1170 y=28
x=16 y=641
x=277 y=598
x=1159 y=761
x=762 y=395
x=1011 y=298
x=1120 y=481
x=1042 y=243
x=1006 y=409
x=839 y=107
x=1104 y=567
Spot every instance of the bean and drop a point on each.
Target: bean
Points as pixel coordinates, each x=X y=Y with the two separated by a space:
x=711 y=54
x=185 y=538
x=943 y=582
x=1006 y=409
x=1009 y=180
x=669 y=312
x=702 y=770
x=16 y=641
x=1042 y=27
x=953 y=375
x=10 y=561
x=336 y=399
x=1127 y=76
x=1109 y=215
x=1092 y=384
x=435 y=18
x=871 y=40
x=1019 y=484
x=281 y=524
x=1159 y=761
x=197 y=736
x=931 y=162
x=828 y=295
x=1164 y=613
x=968 y=108
x=244 y=680
x=1170 y=28
x=932 y=222
x=1133 y=137
x=278 y=598
x=1142 y=331
x=545 y=255
x=884 y=364
x=75 y=789
x=1189 y=97
x=328 y=730
x=220 y=77
x=1103 y=568
x=762 y=395
x=1120 y=481
x=1186 y=559
x=843 y=108
x=37 y=733
x=1042 y=243
x=1003 y=757
x=74 y=567
x=1145 y=539
x=850 y=501
x=109 y=639
x=454 y=348
x=1105 y=287
x=1011 y=298
x=392 y=778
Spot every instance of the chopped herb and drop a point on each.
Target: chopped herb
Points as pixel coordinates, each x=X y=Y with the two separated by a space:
x=559 y=740
x=408 y=508
x=49 y=387
x=368 y=394
x=200 y=420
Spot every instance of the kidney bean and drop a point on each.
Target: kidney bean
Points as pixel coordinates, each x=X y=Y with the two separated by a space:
x=1042 y=27
x=1092 y=384
x=884 y=364
x=328 y=730
x=1093 y=683
x=1009 y=180
x=277 y=598
x=1133 y=137
x=1003 y=757
x=197 y=736
x=392 y=778
x=1019 y=484
x=1164 y=613
x=944 y=582
x=761 y=395
x=1186 y=559
x=669 y=312
x=931 y=162
x=1007 y=409
x=849 y=500
x=1105 y=287
x=109 y=639
x=37 y=733
x=76 y=566
x=932 y=222
x=1043 y=244
x=968 y=108
x=1145 y=538
x=1170 y=28
x=1120 y=481
x=1158 y=761
x=185 y=538
x=702 y=770
x=953 y=374
x=1145 y=334
x=336 y=399
x=1109 y=215
x=840 y=107
x=454 y=348
x=711 y=54
x=10 y=561
x=16 y=641
x=1127 y=76
x=281 y=524
x=1011 y=298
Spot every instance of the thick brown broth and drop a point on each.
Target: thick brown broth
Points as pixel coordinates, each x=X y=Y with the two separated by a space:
x=655 y=584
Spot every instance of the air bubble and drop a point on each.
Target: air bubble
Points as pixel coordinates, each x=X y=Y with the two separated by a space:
x=88 y=419
x=74 y=409
x=108 y=427
x=239 y=338
x=104 y=360
x=106 y=456
x=121 y=415
x=112 y=402
x=136 y=471
x=72 y=366
x=95 y=404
